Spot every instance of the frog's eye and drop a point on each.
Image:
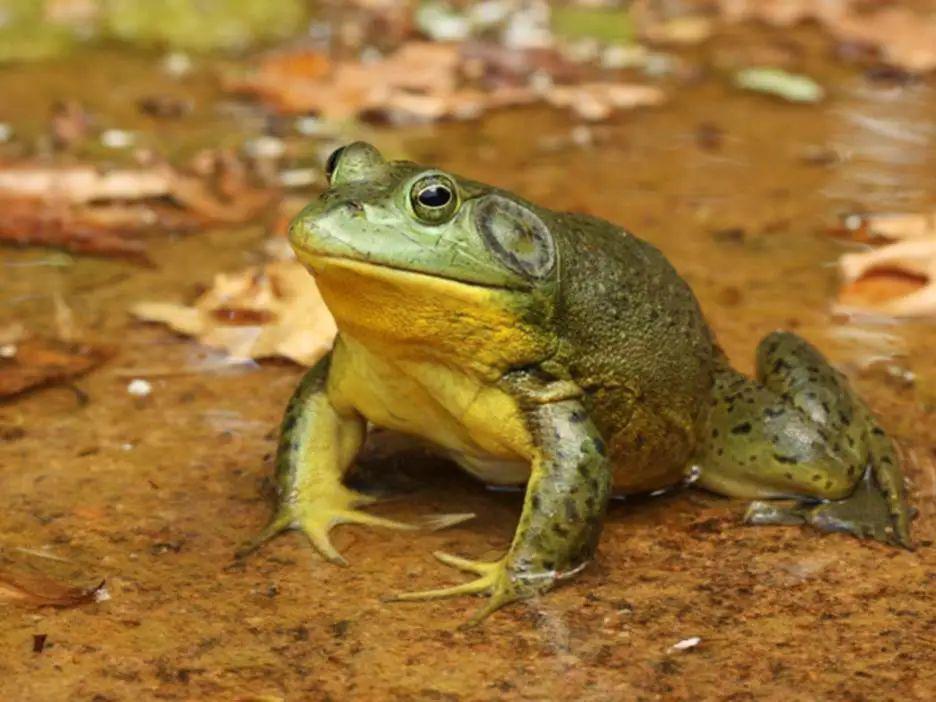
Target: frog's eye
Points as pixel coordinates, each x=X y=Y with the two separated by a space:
x=434 y=199
x=516 y=235
x=332 y=163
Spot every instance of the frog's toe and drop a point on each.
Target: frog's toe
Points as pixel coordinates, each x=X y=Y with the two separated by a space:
x=316 y=518
x=493 y=580
x=487 y=572
x=467 y=565
x=280 y=522
x=866 y=513
x=761 y=512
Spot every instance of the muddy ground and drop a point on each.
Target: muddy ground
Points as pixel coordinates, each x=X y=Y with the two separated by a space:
x=154 y=494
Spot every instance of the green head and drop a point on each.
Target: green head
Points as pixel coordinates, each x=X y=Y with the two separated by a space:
x=400 y=215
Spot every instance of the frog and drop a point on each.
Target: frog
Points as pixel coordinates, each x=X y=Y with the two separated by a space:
x=556 y=352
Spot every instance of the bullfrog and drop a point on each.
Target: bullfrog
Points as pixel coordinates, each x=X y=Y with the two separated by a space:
x=558 y=352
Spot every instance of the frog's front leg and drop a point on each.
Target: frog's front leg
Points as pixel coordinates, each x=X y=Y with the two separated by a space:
x=318 y=442
x=565 y=501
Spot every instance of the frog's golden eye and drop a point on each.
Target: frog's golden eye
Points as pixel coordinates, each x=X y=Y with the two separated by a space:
x=434 y=199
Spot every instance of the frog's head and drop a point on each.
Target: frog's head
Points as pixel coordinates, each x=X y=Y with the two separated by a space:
x=401 y=215
x=420 y=246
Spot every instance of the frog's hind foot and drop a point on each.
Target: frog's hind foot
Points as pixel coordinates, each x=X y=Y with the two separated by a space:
x=492 y=579
x=866 y=513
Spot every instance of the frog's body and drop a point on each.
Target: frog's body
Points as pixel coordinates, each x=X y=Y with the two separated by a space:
x=554 y=350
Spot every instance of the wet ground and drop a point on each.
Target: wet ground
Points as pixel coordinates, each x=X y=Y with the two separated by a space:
x=154 y=494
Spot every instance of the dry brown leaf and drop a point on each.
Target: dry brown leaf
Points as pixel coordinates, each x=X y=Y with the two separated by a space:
x=900 y=35
x=263 y=311
x=904 y=38
x=596 y=101
x=888 y=227
x=783 y=13
x=88 y=210
x=82 y=184
x=33 y=363
x=300 y=82
x=40 y=591
x=910 y=268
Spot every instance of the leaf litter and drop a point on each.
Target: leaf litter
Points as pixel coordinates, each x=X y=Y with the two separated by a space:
x=274 y=309
x=42 y=591
x=36 y=578
x=427 y=81
x=92 y=210
x=897 y=278
x=900 y=36
x=29 y=363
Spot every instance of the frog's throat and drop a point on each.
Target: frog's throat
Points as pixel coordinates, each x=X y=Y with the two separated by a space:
x=475 y=326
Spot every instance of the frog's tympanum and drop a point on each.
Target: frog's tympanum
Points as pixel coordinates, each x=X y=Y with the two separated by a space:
x=557 y=351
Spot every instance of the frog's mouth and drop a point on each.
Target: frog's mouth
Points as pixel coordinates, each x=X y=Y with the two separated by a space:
x=325 y=264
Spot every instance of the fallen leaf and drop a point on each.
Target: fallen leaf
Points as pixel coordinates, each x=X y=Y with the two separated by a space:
x=686 y=30
x=109 y=212
x=783 y=13
x=38 y=590
x=774 y=81
x=870 y=228
x=597 y=101
x=263 y=311
x=901 y=36
x=904 y=38
x=296 y=83
x=33 y=363
x=424 y=82
x=82 y=184
x=897 y=279
x=878 y=287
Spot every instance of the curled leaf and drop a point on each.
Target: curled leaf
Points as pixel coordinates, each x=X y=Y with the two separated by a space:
x=898 y=279
x=37 y=590
x=263 y=311
x=32 y=363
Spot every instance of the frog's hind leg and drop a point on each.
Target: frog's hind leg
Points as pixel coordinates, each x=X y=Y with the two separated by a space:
x=800 y=432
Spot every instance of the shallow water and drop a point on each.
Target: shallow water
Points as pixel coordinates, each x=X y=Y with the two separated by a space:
x=154 y=494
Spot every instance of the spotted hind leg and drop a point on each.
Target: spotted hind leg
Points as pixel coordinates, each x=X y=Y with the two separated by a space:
x=798 y=431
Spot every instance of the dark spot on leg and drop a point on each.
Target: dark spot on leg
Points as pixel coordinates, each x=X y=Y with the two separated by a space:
x=743 y=428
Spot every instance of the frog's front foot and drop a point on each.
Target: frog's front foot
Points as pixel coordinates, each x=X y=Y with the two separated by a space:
x=865 y=513
x=316 y=516
x=494 y=579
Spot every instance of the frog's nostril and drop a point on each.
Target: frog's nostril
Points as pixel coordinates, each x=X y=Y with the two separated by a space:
x=353 y=208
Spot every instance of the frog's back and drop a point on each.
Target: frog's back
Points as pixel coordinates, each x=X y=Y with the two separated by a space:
x=638 y=345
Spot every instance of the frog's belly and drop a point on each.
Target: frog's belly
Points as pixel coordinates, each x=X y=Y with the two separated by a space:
x=478 y=425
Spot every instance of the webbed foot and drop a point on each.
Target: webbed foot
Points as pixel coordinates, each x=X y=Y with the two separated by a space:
x=494 y=580
x=866 y=513
x=316 y=518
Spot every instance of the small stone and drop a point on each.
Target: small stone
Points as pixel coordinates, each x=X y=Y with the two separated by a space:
x=138 y=387
x=686 y=644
